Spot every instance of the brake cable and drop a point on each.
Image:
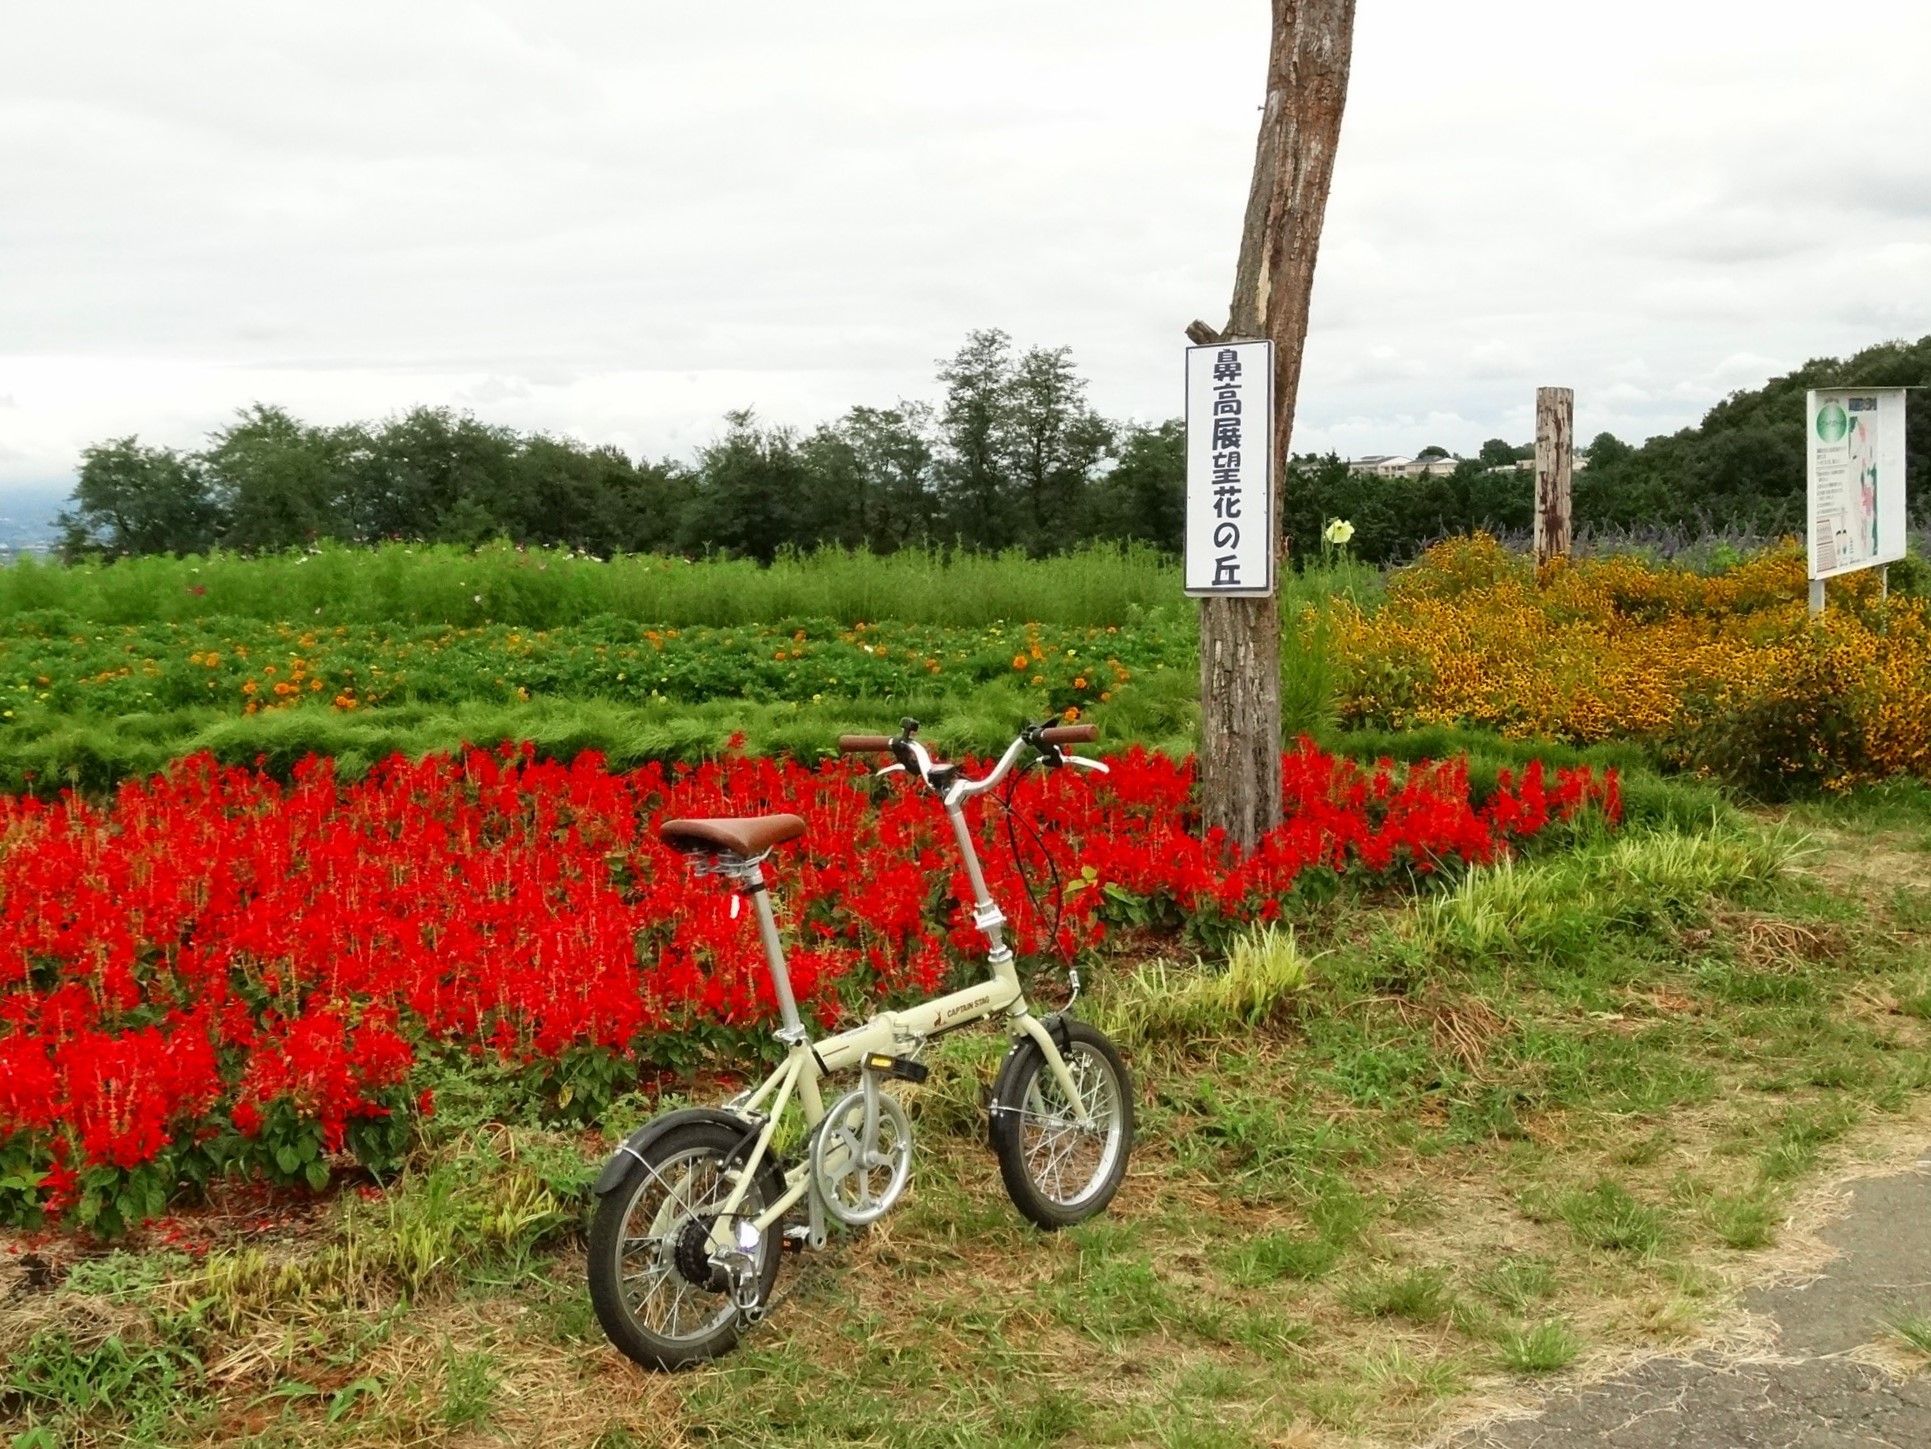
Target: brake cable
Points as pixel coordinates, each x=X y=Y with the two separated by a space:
x=1019 y=864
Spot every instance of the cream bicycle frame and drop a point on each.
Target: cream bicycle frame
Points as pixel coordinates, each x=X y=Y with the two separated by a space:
x=889 y=1033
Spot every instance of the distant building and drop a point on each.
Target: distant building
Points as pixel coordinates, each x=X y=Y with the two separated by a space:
x=1577 y=463
x=1381 y=465
x=1399 y=465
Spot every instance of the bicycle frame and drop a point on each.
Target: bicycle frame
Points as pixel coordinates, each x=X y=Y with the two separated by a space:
x=889 y=1033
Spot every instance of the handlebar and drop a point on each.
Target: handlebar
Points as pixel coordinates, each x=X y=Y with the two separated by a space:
x=1069 y=735
x=912 y=757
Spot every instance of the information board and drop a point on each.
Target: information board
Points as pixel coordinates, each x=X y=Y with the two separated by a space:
x=1854 y=447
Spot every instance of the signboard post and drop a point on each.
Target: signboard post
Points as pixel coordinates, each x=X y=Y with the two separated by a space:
x=1854 y=462
x=1230 y=470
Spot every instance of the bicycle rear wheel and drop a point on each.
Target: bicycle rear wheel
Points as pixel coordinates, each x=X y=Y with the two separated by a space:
x=656 y=1293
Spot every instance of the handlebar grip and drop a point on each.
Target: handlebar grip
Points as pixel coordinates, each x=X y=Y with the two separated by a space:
x=1069 y=735
x=863 y=744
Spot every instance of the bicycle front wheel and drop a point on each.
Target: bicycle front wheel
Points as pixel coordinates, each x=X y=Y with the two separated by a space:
x=1062 y=1160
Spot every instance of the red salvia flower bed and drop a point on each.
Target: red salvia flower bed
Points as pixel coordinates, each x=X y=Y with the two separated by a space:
x=216 y=970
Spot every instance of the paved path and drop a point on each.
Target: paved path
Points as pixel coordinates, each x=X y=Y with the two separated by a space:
x=1806 y=1390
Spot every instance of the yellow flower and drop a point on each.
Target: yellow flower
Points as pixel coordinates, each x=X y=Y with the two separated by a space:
x=1020 y=661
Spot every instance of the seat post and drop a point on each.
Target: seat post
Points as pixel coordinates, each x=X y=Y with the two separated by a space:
x=751 y=883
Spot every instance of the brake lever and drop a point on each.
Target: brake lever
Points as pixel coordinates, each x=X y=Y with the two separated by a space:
x=888 y=770
x=1086 y=764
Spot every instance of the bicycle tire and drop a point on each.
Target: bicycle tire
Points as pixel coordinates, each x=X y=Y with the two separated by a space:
x=702 y=1146
x=1023 y=1125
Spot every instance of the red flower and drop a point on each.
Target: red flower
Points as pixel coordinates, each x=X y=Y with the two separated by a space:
x=211 y=941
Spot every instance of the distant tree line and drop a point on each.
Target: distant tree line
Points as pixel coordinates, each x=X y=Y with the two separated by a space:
x=1743 y=467
x=1011 y=456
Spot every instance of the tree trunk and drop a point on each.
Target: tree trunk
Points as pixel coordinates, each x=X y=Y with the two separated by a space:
x=1555 y=428
x=1240 y=639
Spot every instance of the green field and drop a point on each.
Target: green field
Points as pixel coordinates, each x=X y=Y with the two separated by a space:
x=543 y=588
x=111 y=671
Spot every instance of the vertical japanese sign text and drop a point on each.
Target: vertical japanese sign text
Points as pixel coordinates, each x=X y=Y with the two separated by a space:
x=1230 y=469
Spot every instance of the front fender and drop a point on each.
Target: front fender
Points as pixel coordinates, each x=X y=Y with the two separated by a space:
x=634 y=1145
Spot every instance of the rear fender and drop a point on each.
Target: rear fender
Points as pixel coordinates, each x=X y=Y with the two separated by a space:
x=634 y=1145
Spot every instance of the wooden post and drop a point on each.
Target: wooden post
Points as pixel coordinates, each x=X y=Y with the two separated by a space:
x=1555 y=442
x=1240 y=639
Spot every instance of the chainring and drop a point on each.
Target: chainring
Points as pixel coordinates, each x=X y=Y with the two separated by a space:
x=844 y=1159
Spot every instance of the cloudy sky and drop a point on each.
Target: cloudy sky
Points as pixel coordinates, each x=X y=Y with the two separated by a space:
x=617 y=220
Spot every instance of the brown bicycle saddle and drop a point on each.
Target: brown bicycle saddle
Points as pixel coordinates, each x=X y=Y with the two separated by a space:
x=746 y=836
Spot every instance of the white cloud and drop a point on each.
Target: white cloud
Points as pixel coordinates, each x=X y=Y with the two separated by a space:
x=617 y=220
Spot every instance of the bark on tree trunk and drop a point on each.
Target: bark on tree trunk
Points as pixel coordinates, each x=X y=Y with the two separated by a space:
x=1240 y=639
x=1555 y=427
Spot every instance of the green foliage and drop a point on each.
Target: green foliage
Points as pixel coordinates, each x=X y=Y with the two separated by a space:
x=1607 y=1216
x=1517 y=1283
x=1744 y=1220
x=1264 y=969
x=414 y=585
x=1013 y=456
x=1269 y=1257
x=1543 y=1349
x=1010 y=460
x=139 y=500
x=1743 y=466
x=1421 y=1295
x=61 y=1384
x=1912 y=1329
x=116 y=670
x=247 y=667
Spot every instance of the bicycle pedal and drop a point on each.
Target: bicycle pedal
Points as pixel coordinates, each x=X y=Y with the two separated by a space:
x=904 y=1068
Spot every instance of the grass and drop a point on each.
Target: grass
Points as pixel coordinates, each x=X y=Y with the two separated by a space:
x=1518 y=1284
x=1607 y=1216
x=1543 y=1349
x=1403 y=1149
x=1744 y=1220
x=1261 y=975
x=1420 y=1295
x=1911 y=1329
x=538 y=588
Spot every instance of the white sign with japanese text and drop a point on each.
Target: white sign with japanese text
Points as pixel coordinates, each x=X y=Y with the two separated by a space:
x=1230 y=469
x=1854 y=448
